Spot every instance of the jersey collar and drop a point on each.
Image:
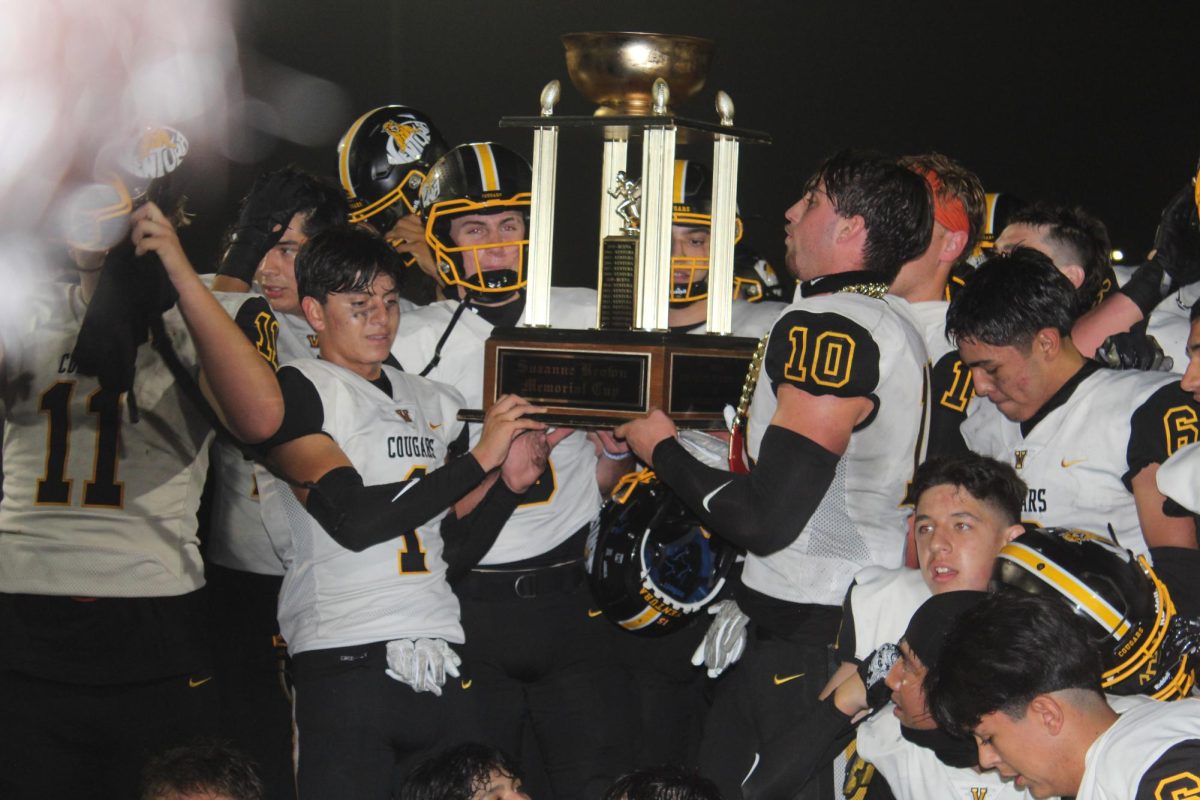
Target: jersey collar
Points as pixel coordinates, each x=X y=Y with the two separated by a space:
x=1061 y=396
x=829 y=284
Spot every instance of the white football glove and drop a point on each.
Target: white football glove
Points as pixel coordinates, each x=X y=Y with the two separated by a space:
x=422 y=664
x=725 y=640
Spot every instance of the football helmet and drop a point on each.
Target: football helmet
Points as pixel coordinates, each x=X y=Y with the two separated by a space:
x=651 y=564
x=998 y=207
x=754 y=279
x=478 y=179
x=691 y=207
x=1146 y=648
x=382 y=159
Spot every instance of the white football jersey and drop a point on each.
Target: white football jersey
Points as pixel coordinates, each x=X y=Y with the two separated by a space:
x=94 y=504
x=848 y=345
x=1179 y=477
x=567 y=498
x=237 y=537
x=1169 y=324
x=881 y=602
x=1076 y=458
x=1117 y=762
x=334 y=597
x=916 y=773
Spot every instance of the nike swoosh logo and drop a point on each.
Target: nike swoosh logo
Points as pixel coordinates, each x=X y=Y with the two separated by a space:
x=593 y=613
x=466 y=683
x=712 y=494
x=193 y=683
x=1067 y=463
x=407 y=486
x=433 y=427
x=787 y=678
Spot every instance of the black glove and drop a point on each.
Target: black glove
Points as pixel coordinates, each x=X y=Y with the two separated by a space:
x=1134 y=349
x=1176 y=260
x=266 y=210
x=873 y=670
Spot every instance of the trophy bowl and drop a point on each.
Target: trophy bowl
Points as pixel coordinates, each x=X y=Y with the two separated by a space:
x=617 y=69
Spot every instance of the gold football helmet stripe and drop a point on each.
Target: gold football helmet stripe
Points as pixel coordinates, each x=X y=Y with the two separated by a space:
x=1069 y=586
x=489 y=177
x=344 y=153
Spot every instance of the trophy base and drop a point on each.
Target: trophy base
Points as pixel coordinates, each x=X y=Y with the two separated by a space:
x=601 y=378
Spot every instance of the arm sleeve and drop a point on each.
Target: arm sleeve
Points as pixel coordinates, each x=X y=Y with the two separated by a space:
x=358 y=516
x=764 y=511
x=467 y=540
x=790 y=758
x=1173 y=774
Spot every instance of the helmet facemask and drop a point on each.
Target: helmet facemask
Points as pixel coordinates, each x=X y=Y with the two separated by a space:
x=473 y=266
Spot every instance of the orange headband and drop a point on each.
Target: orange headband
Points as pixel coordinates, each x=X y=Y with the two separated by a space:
x=947 y=210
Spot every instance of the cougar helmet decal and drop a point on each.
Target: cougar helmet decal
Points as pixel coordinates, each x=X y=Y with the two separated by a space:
x=1146 y=648
x=475 y=201
x=382 y=159
x=651 y=564
x=754 y=279
x=691 y=207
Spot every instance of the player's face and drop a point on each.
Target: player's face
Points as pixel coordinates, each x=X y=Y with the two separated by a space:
x=501 y=787
x=958 y=538
x=1191 y=377
x=1009 y=377
x=906 y=680
x=357 y=328
x=1016 y=749
x=487 y=233
x=689 y=254
x=276 y=275
x=810 y=230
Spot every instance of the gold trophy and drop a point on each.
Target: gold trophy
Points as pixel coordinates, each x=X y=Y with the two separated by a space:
x=630 y=362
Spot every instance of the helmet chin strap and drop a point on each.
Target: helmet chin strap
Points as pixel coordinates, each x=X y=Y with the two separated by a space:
x=698 y=287
x=493 y=280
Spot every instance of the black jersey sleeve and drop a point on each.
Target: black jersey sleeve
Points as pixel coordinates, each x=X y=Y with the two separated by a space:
x=1168 y=420
x=258 y=322
x=303 y=412
x=1173 y=775
x=951 y=390
x=823 y=354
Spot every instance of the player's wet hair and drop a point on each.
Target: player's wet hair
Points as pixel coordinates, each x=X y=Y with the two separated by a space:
x=343 y=259
x=663 y=783
x=895 y=204
x=457 y=773
x=959 y=183
x=986 y=479
x=1010 y=298
x=1079 y=232
x=1006 y=651
x=322 y=202
x=205 y=767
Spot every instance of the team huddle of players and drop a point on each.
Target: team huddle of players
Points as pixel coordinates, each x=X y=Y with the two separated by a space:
x=424 y=580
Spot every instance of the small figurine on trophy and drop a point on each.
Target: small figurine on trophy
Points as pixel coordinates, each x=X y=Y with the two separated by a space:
x=629 y=206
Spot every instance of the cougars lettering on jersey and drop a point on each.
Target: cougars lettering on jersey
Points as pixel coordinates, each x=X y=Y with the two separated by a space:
x=566 y=497
x=95 y=505
x=331 y=596
x=237 y=538
x=1085 y=446
x=1152 y=752
x=846 y=345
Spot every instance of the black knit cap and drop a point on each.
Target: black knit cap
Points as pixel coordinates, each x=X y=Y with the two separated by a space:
x=933 y=620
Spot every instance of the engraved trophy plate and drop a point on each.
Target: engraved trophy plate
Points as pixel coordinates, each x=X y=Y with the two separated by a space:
x=629 y=363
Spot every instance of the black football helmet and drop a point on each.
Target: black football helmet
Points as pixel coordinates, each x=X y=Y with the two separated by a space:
x=382 y=159
x=754 y=279
x=691 y=207
x=481 y=178
x=998 y=207
x=652 y=566
x=1146 y=648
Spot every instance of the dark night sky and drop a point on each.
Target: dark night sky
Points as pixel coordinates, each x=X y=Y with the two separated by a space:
x=1096 y=104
